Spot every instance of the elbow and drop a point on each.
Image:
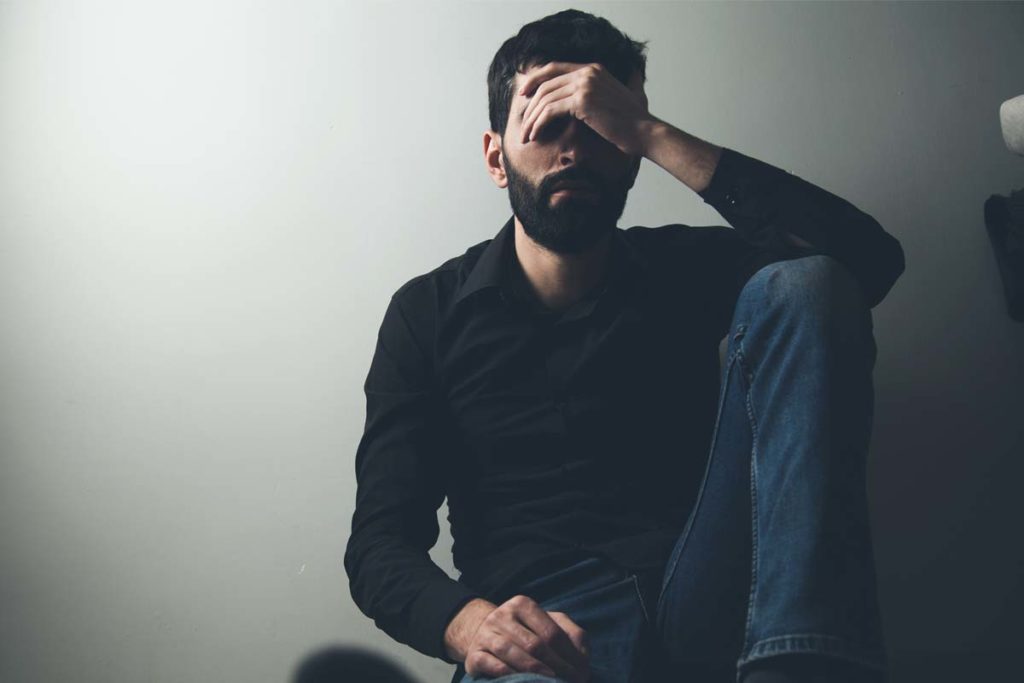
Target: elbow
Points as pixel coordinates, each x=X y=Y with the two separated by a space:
x=899 y=261
x=350 y=560
x=889 y=264
x=895 y=261
x=354 y=559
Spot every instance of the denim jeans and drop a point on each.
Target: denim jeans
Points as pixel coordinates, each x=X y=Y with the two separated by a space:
x=776 y=556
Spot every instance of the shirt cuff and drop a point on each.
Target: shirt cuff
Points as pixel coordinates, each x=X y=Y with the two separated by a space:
x=432 y=612
x=727 y=188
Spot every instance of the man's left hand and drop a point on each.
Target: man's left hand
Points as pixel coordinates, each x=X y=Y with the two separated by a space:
x=593 y=95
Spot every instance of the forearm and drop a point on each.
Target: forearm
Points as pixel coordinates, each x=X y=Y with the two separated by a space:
x=782 y=213
x=691 y=160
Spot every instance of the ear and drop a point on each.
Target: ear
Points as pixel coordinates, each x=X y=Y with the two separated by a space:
x=494 y=159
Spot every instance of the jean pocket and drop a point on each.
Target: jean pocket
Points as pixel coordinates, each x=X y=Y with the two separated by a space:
x=578 y=578
x=613 y=618
x=640 y=598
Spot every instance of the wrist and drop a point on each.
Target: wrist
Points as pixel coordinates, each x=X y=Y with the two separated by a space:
x=687 y=157
x=460 y=630
x=651 y=131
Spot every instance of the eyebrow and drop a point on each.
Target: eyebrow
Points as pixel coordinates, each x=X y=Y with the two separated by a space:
x=525 y=105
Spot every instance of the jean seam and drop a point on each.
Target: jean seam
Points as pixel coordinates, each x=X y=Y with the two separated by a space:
x=814 y=643
x=741 y=361
x=640 y=598
x=707 y=468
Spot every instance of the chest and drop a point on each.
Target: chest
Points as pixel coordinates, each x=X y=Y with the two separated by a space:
x=637 y=367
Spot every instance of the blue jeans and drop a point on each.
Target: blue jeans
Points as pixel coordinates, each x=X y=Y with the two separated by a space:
x=776 y=557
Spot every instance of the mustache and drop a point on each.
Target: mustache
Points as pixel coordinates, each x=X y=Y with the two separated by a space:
x=575 y=175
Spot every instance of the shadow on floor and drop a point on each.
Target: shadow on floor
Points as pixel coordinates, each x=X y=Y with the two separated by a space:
x=343 y=664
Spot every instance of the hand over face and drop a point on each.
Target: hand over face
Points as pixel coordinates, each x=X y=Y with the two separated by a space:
x=590 y=93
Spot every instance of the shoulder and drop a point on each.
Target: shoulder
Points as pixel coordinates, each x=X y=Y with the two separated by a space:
x=431 y=292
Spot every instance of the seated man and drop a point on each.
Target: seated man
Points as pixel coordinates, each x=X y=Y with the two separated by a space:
x=612 y=521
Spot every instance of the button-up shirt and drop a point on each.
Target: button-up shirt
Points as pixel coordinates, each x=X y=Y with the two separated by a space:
x=561 y=435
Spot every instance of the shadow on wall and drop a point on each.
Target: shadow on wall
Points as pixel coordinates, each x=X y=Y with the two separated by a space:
x=342 y=664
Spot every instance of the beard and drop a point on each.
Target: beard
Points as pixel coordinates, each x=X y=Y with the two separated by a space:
x=576 y=222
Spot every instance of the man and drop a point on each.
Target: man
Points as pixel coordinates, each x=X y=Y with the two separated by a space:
x=558 y=385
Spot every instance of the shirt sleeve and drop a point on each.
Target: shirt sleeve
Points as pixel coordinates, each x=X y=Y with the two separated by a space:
x=763 y=202
x=400 y=473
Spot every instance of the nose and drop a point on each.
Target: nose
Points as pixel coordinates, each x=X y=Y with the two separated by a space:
x=574 y=137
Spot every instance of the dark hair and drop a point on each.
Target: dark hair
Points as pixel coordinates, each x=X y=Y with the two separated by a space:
x=567 y=36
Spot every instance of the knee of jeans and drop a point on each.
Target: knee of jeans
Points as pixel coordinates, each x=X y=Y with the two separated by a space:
x=815 y=282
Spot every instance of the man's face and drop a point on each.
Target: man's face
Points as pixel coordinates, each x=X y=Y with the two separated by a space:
x=565 y=150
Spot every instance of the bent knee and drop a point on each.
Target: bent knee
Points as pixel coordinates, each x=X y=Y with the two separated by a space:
x=815 y=281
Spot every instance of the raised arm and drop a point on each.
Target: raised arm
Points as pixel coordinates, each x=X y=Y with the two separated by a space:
x=779 y=212
x=771 y=209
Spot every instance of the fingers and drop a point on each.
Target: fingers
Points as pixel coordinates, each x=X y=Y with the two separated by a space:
x=543 y=90
x=554 y=103
x=571 y=662
x=544 y=72
x=577 y=635
x=520 y=636
x=514 y=657
x=483 y=663
x=538 y=647
x=548 y=70
x=579 y=639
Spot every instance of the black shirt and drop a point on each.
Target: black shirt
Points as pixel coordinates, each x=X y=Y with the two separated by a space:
x=561 y=435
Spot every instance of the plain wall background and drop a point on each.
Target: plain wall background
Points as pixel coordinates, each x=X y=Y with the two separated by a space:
x=204 y=208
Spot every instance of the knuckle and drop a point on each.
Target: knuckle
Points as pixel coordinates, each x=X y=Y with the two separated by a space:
x=502 y=648
x=474 y=660
x=548 y=635
x=519 y=601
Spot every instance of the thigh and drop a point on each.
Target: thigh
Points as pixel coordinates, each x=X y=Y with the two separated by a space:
x=702 y=609
x=512 y=678
x=605 y=602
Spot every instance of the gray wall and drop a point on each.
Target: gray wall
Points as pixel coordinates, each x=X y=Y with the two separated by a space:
x=205 y=207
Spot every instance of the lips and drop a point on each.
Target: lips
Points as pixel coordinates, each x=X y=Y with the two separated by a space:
x=574 y=185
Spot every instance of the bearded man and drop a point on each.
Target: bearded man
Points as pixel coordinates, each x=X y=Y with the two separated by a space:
x=624 y=507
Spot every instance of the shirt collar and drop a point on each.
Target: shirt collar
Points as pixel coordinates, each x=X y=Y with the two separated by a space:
x=489 y=269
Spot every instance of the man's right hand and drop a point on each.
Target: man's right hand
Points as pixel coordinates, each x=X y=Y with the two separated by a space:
x=517 y=636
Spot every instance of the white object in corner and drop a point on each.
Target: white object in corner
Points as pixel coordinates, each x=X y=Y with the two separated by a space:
x=1011 y=116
